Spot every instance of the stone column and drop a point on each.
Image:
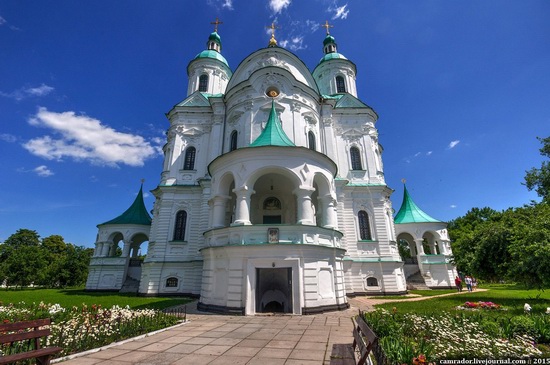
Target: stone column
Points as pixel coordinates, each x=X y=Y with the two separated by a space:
x=105 y=249
x=443 y=247
x=304 y=205
x=419 y=247
x=126 y=248
x=242 y=209
x=218 y=210
x=97 y=249
x=328 y=211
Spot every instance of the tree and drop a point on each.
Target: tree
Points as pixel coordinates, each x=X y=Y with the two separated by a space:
x=539 y=179
x=464 y=233
x=530 y=247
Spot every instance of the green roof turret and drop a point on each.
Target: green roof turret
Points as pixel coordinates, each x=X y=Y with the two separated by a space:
x=273 y=133
x=136 y=214
x=411 y=213
x=329 y=39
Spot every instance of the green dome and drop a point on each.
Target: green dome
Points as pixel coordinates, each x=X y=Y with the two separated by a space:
x=212 y=54
x=329 y=39
x=411 y=213
x=214 y=36
x=332 y=56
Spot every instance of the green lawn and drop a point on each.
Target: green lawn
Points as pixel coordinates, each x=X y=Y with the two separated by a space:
x=76 y=297
x=510 y=296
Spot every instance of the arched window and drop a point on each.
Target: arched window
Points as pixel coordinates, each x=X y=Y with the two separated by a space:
x=364 y=226
x=372 y=281
x=172 y=282
x=233 y=142
x=189 y=161
x=179 y=228
x=355 y=158
x=311 y=140
x=272 y=203
x=203 y=83
x=340 y=85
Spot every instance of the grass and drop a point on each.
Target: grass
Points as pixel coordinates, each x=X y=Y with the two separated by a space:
x=76 y=297
x=512 y=297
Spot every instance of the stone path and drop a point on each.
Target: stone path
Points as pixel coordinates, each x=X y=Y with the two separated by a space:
x=219 y=339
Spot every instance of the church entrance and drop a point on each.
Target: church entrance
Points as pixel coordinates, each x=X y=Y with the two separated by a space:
x=274 y=290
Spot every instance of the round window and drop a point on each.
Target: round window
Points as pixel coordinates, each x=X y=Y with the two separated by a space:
x=272 y=92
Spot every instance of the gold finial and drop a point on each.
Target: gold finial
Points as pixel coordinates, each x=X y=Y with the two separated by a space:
x=327 y=26
x=403 y=180
x=273 y=41
x=216 y=23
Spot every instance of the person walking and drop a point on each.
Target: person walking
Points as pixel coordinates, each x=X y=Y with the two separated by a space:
x=458 y=283
x=468 y=281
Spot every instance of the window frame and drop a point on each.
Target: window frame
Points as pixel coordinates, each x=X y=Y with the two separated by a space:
x=189 y=158
x=355 y=157
x=365 y=232
x=203 y=83
x=311 y=141
x=180 y=226
x=340 y=85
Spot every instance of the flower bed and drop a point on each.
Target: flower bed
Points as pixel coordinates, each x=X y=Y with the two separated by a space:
x=419 y=338
x=479 y=305
x=82 y=328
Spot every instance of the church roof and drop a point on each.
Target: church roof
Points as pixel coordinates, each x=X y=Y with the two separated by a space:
x=273 y=133
x=208 y=53
x=411 y=213
x=332 y=56
x=214 y=36
x=136 y=214
x=329 y=39
x=350 y=101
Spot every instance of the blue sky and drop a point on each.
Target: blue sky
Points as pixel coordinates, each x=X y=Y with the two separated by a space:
x=462 y=89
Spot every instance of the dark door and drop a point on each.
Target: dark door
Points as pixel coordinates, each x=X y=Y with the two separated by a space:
x=272 y=219
x=274 y=290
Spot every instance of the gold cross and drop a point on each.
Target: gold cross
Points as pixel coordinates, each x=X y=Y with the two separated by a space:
x=326 y=26
x=216 y=23
x=273 y=27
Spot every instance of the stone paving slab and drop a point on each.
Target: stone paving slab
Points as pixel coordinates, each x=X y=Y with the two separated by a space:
x=224 y=339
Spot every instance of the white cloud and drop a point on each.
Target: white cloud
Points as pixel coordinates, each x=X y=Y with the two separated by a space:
x=429 y=153
x=453 y=206
x=417 y=154
x=40 y=90
x=6 y=137
x=340 y=12
x=228 y=4
x=312 y=25
x=84 y=138
x=278 y=5
x=43 y=171
x=26 y=92
x=453 y=144
x=2 y=21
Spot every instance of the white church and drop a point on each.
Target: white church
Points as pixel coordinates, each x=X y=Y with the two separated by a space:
x=272 y=196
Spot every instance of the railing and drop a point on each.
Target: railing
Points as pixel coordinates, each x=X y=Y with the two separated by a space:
x=435 y=259
x=285 y=233
x=179 y=311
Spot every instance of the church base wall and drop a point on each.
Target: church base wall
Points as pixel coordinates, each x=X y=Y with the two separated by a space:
x=304 y=278
x=170 y=278
x=106 y=273
x=374 y=278
x=439 y=275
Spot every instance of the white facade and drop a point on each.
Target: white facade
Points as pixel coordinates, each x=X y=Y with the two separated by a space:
x=292 y=223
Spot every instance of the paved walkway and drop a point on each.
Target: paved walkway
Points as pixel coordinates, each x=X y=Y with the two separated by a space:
x=234 y=340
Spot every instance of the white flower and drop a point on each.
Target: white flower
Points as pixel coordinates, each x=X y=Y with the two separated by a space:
x=527 y=308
